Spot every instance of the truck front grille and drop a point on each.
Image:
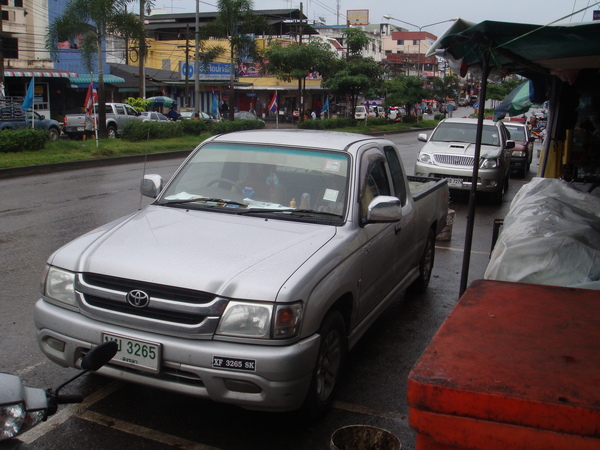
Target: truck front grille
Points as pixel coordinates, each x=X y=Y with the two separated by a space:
x=162 y=309
x=454 y=160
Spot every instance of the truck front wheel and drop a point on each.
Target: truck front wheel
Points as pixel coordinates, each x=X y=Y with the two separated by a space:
x=111 y=132
x=425 y=266
x=327 y=371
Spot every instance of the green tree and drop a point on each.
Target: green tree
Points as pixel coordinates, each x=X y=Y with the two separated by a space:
x=237 y=23
x=403 y=90
x=355 y=41
x=356 y=76
x=94 y=20
x=446 y=87
x=297 y=61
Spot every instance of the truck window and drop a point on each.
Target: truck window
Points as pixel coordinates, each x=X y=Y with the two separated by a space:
x=130 y=111
x=375 y=184
x=119 y=109
x=396 y=173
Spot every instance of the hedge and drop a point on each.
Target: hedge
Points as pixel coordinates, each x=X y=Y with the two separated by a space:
x=26 y=139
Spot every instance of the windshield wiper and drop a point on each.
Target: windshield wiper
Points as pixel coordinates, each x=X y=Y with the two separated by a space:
x=300 y=212
x=203 y=200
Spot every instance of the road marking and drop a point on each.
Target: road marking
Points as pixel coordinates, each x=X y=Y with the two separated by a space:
x=473 y=252
x=368 y=411
x=139 y=431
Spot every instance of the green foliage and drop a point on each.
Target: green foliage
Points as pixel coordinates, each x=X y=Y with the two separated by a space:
x=193 y=127
x=409 y=118
x=439 y=116
x=138 y=103
x=327 y=124
x=403 y=90
x=355 y=41
x=12 y=141
x=227 y=126
x=139 y=131
x=444 y=88
x=296 y=62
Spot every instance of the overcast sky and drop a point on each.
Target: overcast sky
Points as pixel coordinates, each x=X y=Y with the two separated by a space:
x=419 y=13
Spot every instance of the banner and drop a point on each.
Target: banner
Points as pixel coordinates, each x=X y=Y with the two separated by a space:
x=273 y=104
x=28 y=100
x=90 y=98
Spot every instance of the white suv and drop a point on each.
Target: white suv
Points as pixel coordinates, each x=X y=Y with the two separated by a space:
x=450 y=150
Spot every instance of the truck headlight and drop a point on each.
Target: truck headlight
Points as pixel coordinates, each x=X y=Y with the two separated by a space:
x=489 y=163
x=518 y=153
x=246 y=319
x=425 y=158
x=59 y=285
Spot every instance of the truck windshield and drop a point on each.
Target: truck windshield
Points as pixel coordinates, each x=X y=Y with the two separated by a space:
x=261 y=178
x=465 y=132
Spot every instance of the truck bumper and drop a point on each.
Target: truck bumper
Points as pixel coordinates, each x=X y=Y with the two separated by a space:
x=279 y=382
x=488 y=180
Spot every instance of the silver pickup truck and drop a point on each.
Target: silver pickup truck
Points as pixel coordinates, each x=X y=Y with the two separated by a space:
x=259 y=265
x=117 y=115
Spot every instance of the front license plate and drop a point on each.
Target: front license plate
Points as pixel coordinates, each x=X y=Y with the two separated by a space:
x=220 y=362
x=142 y=355
x=455 y=182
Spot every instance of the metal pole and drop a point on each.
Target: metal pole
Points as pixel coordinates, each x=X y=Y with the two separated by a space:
x=196 y=62
x=471 y=211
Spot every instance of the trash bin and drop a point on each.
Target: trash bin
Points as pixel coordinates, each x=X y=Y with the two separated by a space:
x=364 y=437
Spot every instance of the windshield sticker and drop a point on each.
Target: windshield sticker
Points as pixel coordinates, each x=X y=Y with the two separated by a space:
x=331 y=195
x=332 y=166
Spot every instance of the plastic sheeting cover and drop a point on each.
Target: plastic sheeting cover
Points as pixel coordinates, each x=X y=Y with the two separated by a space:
x=551 y=236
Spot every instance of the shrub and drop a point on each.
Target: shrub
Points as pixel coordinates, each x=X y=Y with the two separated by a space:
x=12 y=141
x=409 y=119
x=327 y=124
x=193 y=127
x=140 y=131
x=439 y=116
x=227 y=126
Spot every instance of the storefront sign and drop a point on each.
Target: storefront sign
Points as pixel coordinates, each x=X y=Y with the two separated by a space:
x=216 y=71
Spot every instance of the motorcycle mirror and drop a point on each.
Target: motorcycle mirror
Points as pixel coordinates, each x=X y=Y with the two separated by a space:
x=99 y=355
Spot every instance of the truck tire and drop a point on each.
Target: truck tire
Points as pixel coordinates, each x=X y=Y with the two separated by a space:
x=328 y=367
x=425 y=266
x=53 y=134
x=111 y=131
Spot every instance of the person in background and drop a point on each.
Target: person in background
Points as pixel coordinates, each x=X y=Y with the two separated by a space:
x=173 y=114
x=88 y=129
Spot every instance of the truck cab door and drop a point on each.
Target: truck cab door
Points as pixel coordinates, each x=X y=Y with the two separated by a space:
x=377 y=239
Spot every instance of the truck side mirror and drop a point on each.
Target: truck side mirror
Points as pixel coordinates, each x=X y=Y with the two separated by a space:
x=384 y=209
x=422 y=137
x=510 y=144
x=151 y=185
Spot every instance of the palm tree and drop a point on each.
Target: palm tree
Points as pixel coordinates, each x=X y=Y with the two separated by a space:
x=94 y=20
x=237 y=22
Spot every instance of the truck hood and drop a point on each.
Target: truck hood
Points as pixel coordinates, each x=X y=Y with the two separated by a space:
x=235 y=256
x=461 y=148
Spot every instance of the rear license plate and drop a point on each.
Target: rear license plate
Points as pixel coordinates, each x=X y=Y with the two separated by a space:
x=79 y=128
x=142 y=355
x=455 y=182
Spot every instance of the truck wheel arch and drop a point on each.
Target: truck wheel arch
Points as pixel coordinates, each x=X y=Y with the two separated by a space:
x=111 y=130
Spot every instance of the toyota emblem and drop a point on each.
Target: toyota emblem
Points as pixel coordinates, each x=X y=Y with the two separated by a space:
x=138 y=299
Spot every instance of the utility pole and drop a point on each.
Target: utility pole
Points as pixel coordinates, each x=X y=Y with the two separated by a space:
x=2 y=90
x=187 y=65
x=196 y=62
x=142 y=54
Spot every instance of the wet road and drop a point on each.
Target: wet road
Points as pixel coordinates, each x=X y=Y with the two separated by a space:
x=40 y=213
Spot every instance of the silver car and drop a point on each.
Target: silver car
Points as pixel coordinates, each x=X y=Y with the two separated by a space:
x=449 y=153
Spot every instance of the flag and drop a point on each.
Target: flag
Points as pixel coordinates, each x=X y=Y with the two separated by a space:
x=215 y=106
x=325 y=105
x=273 y=104
x=90 y=98
x=28 y=100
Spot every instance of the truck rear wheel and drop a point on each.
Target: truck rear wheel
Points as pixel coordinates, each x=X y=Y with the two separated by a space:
x=425 y=265
x=53 y=134
x=328 y=368
x=111 y=132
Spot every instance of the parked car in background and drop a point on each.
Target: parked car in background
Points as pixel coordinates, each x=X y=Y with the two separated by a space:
x=247 y=115
x=117 y=116
x=449 y=153
x=190 y=114
x=360 y=113
x=522 y=154
x=153 y=116
x=14 y=118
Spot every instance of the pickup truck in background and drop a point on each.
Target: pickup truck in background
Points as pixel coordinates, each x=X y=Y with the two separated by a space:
x=117 y=115
x=12 y=117
x=260 y=264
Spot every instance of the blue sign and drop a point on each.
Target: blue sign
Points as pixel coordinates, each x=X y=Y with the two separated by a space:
x=216 y=71
x=596 y=15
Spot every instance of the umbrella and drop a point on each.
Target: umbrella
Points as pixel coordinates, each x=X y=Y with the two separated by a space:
x=518 y=101
x=166 y=102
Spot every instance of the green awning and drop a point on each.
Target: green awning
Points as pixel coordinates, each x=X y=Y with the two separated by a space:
x=84 y=80
x=525 y=49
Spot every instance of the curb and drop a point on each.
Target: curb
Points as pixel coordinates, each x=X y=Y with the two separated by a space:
x=13 y=172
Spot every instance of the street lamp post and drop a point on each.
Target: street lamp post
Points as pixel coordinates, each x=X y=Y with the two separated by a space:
x=388 y=17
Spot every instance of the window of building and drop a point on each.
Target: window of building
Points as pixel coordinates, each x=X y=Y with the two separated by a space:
x=11 y=47
x=400 y=42
x=416 y=42
x=19 y=3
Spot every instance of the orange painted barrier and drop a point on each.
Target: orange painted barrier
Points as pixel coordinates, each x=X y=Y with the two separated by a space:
x=514 y=366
